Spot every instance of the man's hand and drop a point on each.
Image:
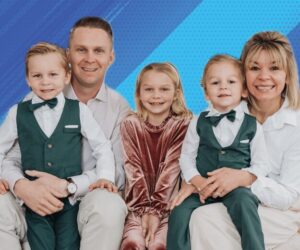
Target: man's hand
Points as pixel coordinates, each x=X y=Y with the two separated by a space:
x=57 y=186
x=103 y=183
x=37 y=197
x=3 y=186
x=153 y=224
x=185 y=191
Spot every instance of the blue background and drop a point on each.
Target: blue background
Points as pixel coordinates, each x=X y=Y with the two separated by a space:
x=185 y=33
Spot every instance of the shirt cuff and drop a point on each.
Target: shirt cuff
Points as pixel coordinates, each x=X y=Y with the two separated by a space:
x=12 y=180
x=82 y=182
x=107 y=175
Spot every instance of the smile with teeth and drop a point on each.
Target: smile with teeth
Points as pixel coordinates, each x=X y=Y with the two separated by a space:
x=156 y=103
x=87 y=69
x=264 y=87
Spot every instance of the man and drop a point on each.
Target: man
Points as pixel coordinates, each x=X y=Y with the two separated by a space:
x=101 y=214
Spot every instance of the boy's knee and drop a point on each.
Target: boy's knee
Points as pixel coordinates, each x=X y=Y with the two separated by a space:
x=244 y=199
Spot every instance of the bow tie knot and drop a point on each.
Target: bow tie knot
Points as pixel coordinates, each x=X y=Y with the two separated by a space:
x=214 y=120
x=51 y=103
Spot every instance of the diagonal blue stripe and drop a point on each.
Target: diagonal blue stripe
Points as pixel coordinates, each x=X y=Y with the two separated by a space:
x=215 y=27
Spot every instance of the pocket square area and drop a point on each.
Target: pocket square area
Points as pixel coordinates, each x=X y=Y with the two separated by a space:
x=244 y=141
x=71 y=126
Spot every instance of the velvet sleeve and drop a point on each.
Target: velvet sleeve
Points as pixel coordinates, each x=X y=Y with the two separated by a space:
x=166 y=185
x=136 y=189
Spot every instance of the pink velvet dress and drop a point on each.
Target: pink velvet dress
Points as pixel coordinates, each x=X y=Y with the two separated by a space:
x=152 y=170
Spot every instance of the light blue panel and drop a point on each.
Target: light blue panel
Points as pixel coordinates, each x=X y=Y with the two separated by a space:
x=215 y=27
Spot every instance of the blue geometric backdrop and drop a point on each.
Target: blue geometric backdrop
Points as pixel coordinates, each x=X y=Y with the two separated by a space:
x=185 y=33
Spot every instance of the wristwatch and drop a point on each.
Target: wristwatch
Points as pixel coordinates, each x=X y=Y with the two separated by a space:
x=71 y=187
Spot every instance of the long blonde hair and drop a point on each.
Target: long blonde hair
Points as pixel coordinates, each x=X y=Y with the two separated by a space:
x=279 y=49
x=178 y=107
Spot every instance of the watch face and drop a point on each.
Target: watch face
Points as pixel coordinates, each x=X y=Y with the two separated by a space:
x=72 y=188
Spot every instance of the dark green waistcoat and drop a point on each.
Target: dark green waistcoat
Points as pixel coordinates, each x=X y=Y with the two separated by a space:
x=211 y=155
x=60 y=154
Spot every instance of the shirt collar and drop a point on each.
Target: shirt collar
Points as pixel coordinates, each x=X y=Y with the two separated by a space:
x=284 y=115
x=101 y=95
x=239 y=109
x=60 y=100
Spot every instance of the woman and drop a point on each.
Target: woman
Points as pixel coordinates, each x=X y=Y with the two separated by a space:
x=272 y=81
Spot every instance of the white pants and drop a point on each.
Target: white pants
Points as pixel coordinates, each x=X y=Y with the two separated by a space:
x=212 y=229
x=12 y=224
x=101 y=220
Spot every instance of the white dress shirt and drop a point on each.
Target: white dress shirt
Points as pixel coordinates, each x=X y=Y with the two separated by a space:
x=108 y=105
x=225 y=133
x=282 y=134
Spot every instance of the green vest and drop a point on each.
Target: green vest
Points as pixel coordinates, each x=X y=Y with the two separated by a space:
x=211 y=155
x=59 y=154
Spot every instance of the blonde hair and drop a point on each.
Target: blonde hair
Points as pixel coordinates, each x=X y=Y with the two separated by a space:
x=223 y=58
x=280 y=50
x=178 y=107
x=44 y=48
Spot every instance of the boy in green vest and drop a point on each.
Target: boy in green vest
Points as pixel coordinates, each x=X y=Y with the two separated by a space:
x=49 y=129
x=222 y=136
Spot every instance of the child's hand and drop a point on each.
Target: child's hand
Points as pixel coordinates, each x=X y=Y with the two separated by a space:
x=3 y=186
x=145 y=224
x=185 y=191
x=153 y=224
x=103 y=183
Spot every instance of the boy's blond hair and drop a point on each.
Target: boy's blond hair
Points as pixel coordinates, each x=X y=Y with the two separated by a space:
x=223 y=58
x=44 y=48
x=280 y=50
x=178 y=107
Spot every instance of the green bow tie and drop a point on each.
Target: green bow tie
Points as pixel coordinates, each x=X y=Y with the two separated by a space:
x=214 y=120
x=51 y=103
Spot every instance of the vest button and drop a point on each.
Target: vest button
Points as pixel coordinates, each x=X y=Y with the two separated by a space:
x=50 y=145
x=49 y=164
x=223 y=152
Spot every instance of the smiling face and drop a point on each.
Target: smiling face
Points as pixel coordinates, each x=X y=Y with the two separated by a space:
x=90 y=55
x=157 y=92
x=266 y=78
x=46 y=75
x=224 y=86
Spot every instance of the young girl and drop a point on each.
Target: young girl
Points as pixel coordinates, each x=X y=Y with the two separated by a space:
x=222 y=136
x=152 y=139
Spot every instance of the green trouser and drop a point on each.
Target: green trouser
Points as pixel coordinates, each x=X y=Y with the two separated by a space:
x=241 y=205
x=58 y=231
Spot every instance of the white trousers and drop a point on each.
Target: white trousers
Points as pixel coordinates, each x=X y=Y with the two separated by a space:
x=212 y=229
x=101 y=220
x=12 y=224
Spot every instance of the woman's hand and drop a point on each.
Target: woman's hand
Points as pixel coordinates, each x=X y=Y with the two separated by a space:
x=226 y=180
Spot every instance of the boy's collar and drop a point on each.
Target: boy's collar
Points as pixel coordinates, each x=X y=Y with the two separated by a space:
x=60 y=100
x=240 y=110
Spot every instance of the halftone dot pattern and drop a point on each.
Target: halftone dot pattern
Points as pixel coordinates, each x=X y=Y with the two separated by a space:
x=214 y=27
x=186 y=33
